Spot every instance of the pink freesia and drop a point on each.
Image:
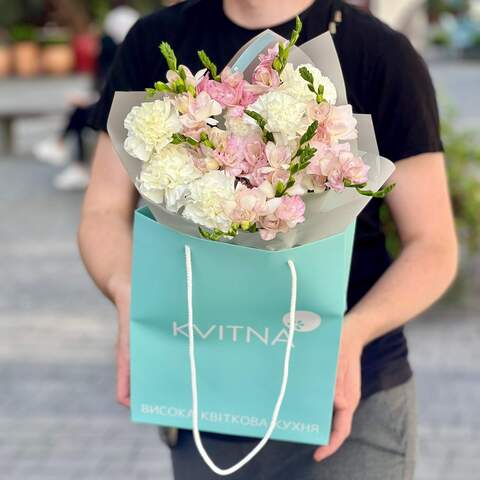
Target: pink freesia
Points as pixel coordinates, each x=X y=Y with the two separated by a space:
x=250 y=203
x=235 y=112
x=278 y=163
x=266 y=77
x=255 y=151
x=331 y=165
x=335 y=178
x=255 y=160
x=291 y=211
x=249 y=95
x=191 y=80
x=231 y=91
x=340 y=124
x=283 y=214
x=199 y=111
x=278 y=156
x=318 y=111
x=231 y=156
x=269 y=57
x=224 y=94
x=353 y=168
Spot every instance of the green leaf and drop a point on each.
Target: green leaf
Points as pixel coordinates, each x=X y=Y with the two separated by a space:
x=296 y=32
x=298 y=24
x=206 y=234
x=257 y=117
x=283 y=51
x=169 y=55
x=277 y=65
x=320 y=97
x=178 y=138
x=306 y=74
x=310 y=133
x=290 y=183
x=150 y=92
x=179 y=86
x=380 y=194
x=279 y=189
x=347 y=183
x=182 y=73
x=307 y=154
x=162 y=87
x=269 y=137
x=208 y=64
x=206 y=141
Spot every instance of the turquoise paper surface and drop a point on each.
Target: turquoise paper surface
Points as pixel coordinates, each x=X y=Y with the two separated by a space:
x=240 y=298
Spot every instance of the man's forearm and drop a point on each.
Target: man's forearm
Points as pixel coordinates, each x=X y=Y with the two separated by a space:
x=419 y=276
x=105 y=241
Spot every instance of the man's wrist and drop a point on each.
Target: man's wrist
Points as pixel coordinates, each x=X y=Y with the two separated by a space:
x=358 y=329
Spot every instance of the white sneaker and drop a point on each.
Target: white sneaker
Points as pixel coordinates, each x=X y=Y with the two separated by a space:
x=52 y=151
x=74 y=177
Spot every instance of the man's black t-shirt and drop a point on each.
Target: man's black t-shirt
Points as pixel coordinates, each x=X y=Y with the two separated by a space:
x=384 y=76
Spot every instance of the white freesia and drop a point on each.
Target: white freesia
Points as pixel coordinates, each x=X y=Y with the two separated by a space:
x=150 y=128
x=166 y=177
x=283 y=113
x=296 y=86
x=211 y=200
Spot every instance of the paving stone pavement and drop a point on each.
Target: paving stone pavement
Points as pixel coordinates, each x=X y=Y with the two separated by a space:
x=58 y=416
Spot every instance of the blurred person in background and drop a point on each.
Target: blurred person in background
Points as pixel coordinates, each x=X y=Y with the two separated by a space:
x=374 y=427
x=75 y=176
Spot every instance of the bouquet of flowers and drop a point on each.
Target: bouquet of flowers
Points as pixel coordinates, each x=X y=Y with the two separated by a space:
x=232 y=153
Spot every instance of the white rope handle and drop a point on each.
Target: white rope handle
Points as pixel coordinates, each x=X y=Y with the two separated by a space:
x=193 y=371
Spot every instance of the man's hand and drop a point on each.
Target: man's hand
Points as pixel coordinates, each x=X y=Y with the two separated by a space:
x=122 y=302
x=347 y=390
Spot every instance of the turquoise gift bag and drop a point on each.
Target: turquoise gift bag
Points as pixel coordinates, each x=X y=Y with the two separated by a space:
x=239 y=301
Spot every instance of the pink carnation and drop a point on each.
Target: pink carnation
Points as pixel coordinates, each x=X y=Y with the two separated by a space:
x=283 y=214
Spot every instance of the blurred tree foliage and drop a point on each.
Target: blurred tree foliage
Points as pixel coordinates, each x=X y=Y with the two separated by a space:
x=437 y=7
x=462 y=152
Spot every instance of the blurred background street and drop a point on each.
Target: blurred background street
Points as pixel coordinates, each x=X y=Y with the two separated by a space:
x=58 y=415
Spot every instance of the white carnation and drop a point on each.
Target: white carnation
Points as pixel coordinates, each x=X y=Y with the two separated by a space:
x=150 y=128
x=296 y=86
x=211 y=199
x=284 y=114
x=165 y=179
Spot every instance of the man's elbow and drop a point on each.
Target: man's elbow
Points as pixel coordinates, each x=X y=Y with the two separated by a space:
x=447 y=253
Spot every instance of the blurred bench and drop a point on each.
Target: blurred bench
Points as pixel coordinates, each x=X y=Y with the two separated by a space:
x=8 y=119
x=34 y=98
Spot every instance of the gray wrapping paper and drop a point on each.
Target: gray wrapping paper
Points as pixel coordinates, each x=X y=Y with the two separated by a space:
x=327 y=213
